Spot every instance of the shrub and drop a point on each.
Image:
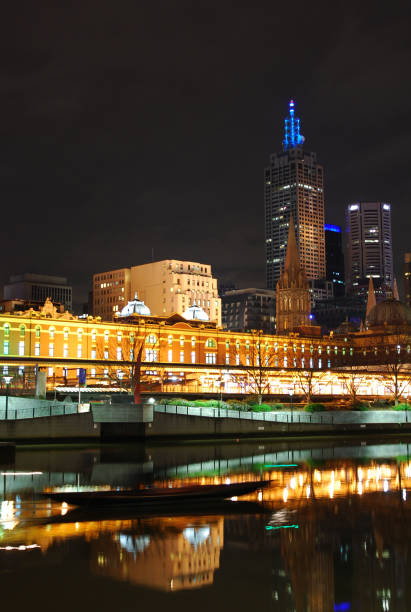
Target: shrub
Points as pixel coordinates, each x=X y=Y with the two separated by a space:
x=314 y=407
x=402 y=407
x=261 y=408
x=277 y=406
x=360 y=406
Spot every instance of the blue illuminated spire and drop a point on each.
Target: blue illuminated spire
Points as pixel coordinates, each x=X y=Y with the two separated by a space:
x=292 y=136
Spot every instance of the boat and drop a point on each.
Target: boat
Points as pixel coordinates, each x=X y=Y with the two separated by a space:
x=156 y=496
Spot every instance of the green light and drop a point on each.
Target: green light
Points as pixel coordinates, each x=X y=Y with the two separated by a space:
x=276 y=465
x=271 y=528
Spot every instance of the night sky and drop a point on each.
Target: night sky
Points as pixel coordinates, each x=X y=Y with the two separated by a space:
x=130 y=126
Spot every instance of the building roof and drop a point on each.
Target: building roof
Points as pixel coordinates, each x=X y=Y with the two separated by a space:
x=135 y=306
x=195 y=312
x=390 y=313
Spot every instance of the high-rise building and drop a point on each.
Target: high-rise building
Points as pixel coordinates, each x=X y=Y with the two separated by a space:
x=36 y=288
x=407 y=279
x=334 y=257
x=369 y=248
x=165 y=286
x=247 y=309
x=294 y=185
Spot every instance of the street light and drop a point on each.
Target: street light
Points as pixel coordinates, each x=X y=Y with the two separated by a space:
x=291 y=391
x=7 y=380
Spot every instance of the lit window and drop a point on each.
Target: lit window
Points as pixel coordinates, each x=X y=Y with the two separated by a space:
x=170 y=340
x=151 y=339
x=105 y=353
x=193 y=341
x=51 y=333
x=170 y=355
x=151 y=355
x=93 y=335
x=6 y=347
x=118 y=353
x=37 y=349
x=105 y=337
x=65 y=350
x=79 y=350
x=6 y=330
x=51 y=349
x=237 y=360
x=50 y=371
x=181 y=356
x=227 y=358
x=93 y=353
x=181 y=340
x=211 y=358
x=21 y=347
x=38 y=331
x=22 y=330
x=193 y=356
x=93 y=372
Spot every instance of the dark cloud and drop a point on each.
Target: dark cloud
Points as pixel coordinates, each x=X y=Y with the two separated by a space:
x=127 y=127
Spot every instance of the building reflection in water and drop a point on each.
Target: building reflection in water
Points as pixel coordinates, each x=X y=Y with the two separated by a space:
x=183 y=555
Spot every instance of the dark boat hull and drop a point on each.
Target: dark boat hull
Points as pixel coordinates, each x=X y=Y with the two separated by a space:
x=156 y=496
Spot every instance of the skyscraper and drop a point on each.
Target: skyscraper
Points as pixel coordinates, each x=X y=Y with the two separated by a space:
x=294 y=185
x=335 y=258
x=369 y=248
x=407 y=278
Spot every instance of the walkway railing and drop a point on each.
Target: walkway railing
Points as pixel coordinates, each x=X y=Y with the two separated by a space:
x=287 y=416
x=36 y=412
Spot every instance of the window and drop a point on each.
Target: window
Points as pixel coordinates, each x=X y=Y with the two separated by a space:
x=51 y=333
x=119 y=336
x=237 y=360
x=247 y=360
x=105 y=353
x=247 y=345
x=151 y=339
x=79 y=350
x=65 y=350
x=50 y=372
x=170 y=340
x=211 y=343
x=6 y=347
x=37 y=331
x=211 y=358
x=6 y=330
x=151 y=355
x=93 y=353
x=227 y=344
x=21 y=347
x=93 y=335
x=51 y=349
x=105 y=337
x=193 y=341
x=118 y=353
x=193 y=356
x=79 y=334
x=93 y=372
x=22 y=330
x=170 y=355
x=181 y=356
x=37 y=349
x=285 y=362
x=181 y=340
x=227 y=358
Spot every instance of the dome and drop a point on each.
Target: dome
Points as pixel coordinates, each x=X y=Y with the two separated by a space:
x=195 y=313
x=136 y=306
x=344 y=328
x=389 y=312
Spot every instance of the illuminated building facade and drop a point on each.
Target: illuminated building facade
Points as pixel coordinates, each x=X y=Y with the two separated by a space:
x=165 y=286
x=294 y=185
x=369 y=248
x=292 y=291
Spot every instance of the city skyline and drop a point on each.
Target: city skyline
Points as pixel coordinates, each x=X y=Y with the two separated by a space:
x=88 y=117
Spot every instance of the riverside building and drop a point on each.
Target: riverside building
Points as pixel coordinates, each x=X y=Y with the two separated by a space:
x=294 y=185
x=166 y=286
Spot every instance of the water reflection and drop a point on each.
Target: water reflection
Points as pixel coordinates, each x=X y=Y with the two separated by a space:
x=333 y=534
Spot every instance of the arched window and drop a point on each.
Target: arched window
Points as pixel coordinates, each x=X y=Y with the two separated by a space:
x=193 y=341
x=37 y=331
x=119 y=336
x=51 y=333
x=151 y=339
x=106 y=334
x=79 y=334
x=6 y=327
x=93 y=335
x=22 y=330
x=181 y=340
x=170 y=340
x=66 y=333
x=247 y=345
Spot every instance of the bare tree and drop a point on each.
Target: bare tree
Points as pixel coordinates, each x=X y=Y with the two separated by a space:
x=255 y=364
x=393 y=359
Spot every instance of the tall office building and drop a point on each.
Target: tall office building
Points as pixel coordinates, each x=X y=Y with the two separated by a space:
x=369 y=248
x=294 y=185
x=407 y=278
x=36 y=288
x=247 y=309
x=334 y=257
x=165 y=286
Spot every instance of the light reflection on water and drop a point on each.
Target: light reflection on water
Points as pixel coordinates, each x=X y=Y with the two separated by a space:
x=331 y=533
